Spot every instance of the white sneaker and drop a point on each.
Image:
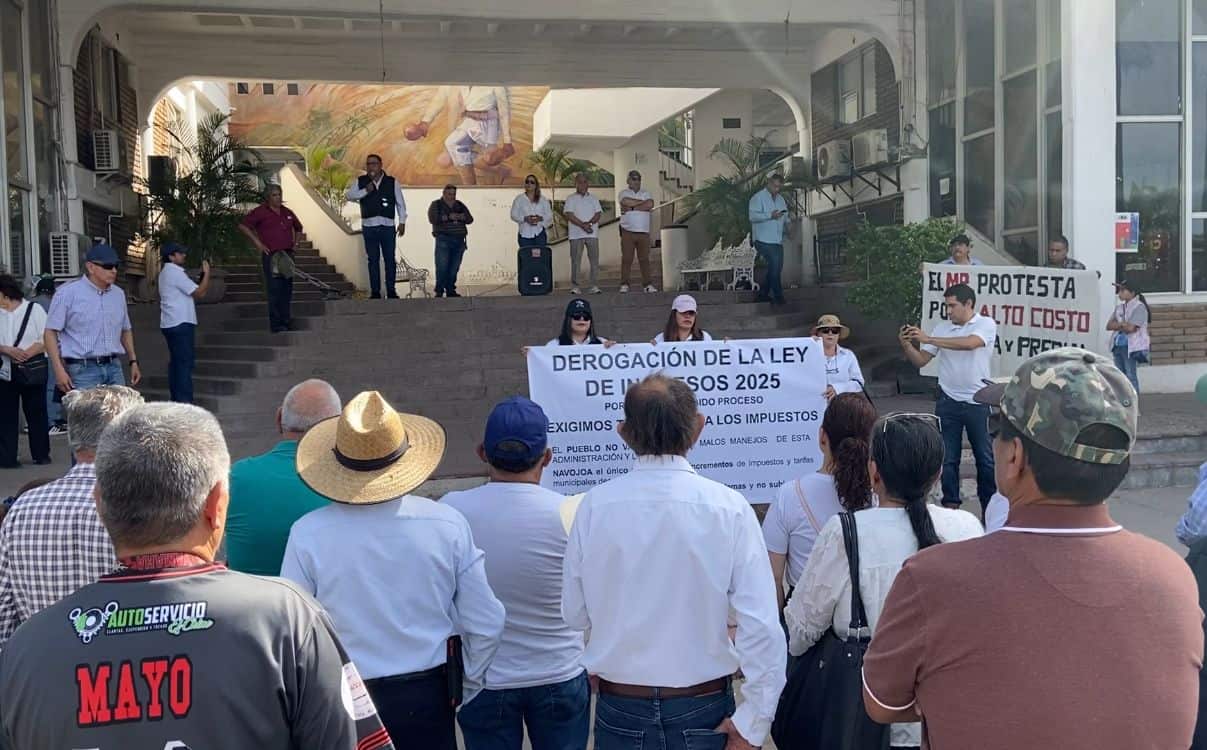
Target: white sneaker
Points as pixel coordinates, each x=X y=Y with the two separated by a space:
x=596 y=290
x=651 y=288
x=576 y=290
x=624 y=288
x=58 y=430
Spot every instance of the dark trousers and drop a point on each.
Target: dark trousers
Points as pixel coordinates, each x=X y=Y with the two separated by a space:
x=666 y=723
x=449 y=250
x=956 y=418
x=541 y=240
x=181 y=358
x=773 y=287
x=280 y=296
x=379 y=246
x=415 y=712
x=31 y=399
x=558 y=717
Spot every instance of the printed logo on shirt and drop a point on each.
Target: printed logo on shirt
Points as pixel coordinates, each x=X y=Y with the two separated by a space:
x=176 y=619
x=111 y=693
x=355 y=695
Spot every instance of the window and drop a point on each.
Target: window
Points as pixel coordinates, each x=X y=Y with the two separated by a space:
x=18 y=211
x=1053 y=205
x=1198 y=256
x=979 y=75
x=242 y=88
x=1020 y=145
x=1199 y=24
x=856 y=86
x=1148 y=181
x=943 y=160
x=940 y=51
x=42 y=69
x=1148 y=57
x=291 y=89
x=269 y=89
x=104 y=80
x=1019 y=34
x=1053 y=42
x=12 y=71
x=979 y=185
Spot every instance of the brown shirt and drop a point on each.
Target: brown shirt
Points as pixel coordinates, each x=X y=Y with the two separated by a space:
x=1061 y=630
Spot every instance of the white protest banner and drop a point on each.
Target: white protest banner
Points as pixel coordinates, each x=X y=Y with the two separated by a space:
x=762 y=400
x=1036 y=309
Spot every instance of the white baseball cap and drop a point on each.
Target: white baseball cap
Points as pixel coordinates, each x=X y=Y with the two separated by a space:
x=684 y=303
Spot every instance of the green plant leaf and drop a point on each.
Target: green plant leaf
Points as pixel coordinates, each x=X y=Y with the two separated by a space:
x=888 y=261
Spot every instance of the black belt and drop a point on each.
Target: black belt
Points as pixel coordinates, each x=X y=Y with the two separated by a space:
x=90 y=360
x=712 y=687
x=426 y=674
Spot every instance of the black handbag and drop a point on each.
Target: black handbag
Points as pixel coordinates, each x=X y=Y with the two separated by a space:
x=34 y=370
x=821 y=707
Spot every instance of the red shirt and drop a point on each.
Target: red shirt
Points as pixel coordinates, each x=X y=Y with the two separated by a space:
x=275 y=229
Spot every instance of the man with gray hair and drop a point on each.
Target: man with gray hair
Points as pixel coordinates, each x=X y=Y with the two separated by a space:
x=657 y=563
x=267 y=495
x=51 y=542
x=173 y=650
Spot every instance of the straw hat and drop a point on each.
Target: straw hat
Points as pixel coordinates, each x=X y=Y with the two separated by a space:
x=369 y=453
x=832 y=321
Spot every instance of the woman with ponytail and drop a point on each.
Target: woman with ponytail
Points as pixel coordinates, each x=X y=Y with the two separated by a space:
x=906 y=456
x=804 y=505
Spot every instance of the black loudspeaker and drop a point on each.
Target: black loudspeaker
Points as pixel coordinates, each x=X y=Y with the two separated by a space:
x=161 y=174
x=534 y=270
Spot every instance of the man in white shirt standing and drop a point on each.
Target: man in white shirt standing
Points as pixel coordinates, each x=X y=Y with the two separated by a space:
x=964 y=344
x=178 y=318
x=536 y=679
x=635 y=207
x=399 y=574
x=658 y=562
x=380 y=199
x=582 y=211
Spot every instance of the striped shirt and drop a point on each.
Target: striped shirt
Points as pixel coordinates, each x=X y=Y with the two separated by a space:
x=90 y=320
x=51 y=543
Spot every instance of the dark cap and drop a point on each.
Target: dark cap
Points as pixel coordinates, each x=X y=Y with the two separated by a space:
x=45 y=285
x=171 y=248
x=1053 y=397
x=578 y=305
x=517 y=430
x=1128 y=285
x=960 y=239
x=103 y=254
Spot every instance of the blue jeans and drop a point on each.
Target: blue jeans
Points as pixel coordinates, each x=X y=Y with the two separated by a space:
x=1127 y=364
x=449 y=250
x=773 y=288
x=280 y=296
x=958 y=417
x=541 y=240
x=661 y=723
x=54 y=410
x=181 y=357
x=558 y=717
x=90 y=375
x=379 y=246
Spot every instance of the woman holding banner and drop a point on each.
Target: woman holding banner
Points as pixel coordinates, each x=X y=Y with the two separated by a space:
x=803 y=505
x=683 y=323
x=842 y=366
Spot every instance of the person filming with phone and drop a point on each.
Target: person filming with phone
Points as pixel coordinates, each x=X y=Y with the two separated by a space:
x=768 y=216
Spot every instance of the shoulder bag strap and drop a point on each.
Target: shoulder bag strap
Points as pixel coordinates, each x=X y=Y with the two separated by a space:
x=850 y=538
x=29 y=308
x=804 y=505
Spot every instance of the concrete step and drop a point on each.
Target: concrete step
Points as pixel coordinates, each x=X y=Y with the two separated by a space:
x=161 y=394
x=1151 y=470
x=237 y=353
x=301 y=293
x=257 y=338
x=260 y=323
x=201 y=384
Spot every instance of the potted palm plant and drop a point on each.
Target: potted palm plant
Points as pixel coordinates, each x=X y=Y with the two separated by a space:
x=201 y=207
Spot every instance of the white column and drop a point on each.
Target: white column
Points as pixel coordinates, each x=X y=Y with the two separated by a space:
x=1089 y=96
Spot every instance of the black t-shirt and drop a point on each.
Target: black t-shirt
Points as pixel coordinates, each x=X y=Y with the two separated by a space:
x=201 y=658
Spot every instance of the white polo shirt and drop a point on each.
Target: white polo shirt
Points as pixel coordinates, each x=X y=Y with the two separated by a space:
x=963 y=373
x=583 y=207
x=634 y=220
x=176 y=297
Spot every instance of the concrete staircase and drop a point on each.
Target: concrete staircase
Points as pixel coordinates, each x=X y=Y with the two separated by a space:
x=245 y=280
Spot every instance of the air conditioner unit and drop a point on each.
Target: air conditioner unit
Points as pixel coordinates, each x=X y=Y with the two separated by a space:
x=869 y=148
x=106 y=151
x=64 y=254
x=834 y=161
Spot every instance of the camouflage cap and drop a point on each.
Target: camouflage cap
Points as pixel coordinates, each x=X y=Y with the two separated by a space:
x=1053 y=397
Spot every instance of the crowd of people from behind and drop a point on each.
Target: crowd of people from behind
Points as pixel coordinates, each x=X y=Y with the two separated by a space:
x=503 y=608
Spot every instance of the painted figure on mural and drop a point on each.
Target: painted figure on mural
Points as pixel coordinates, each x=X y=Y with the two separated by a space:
x=481 y=140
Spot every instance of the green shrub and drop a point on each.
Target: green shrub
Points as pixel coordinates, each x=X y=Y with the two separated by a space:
x=888 y=261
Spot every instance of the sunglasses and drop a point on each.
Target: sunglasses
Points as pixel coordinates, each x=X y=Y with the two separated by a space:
x=106 y=266
x=830 y=331
x=932 y=418
x=580 y=316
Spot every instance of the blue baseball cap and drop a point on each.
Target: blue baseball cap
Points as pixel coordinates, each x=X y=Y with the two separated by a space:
x=171 y=248
x=516 y=430
x=103 y=254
